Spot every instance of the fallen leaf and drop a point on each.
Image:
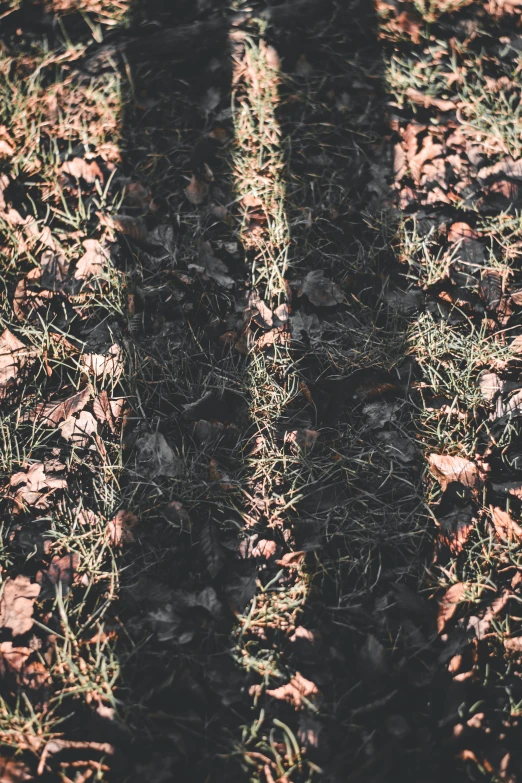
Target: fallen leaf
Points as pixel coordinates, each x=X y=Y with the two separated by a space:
x=120 y=528
x=505 y=526
x=428 y=151
x=35 y=487
x=104 y=408
x=61 y=571
x=139 y=195
x=295 y=691
x=7 y=145
x=509 y=167
x=94 y=261
x=154 y=457
x=264 y=548
x=55 y=269
x=490 y=385
x=449 y=602
x=459 y=231
x=303 y=438
x=446 y=469
x=196 y=191
x=108 y=365
x=79 y=429
x=55 y=412
x=456 y=528
x=278 y=336
x=211 y=266
x=129 y=226
x=492 y=285
x=321 y=291
x=14 y=357
x=17 y=603
x=481 y=624
x=79 y=168
x=29 y=296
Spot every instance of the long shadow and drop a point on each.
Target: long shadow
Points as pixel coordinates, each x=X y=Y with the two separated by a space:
x=362 y=526
x=367 y=642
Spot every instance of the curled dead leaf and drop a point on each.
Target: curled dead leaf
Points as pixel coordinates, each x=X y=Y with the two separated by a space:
x=93 y=262
x=449 y=603
x=154 y=457
x=35 y=487
x=120 y=528
x=321 y=291
x=54 y=412
x=446 y=469
x=61 y=571
x=108 y=365
x=505 y=526
x=17 y=603
x=14 y=357
x=196 y=191
x=458 y=231
x=79 y=168
x=79 y=429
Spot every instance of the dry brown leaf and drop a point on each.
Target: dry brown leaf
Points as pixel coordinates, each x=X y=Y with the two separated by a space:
x=129 y=226
x=79 y=168
x=103 y=410
x=456 y=528
x=94 y=261
x=120 y=528
x=154 y=457
x=447 y=469
x=61 y=571
x=55 y=412
x=264 y=548
x=509 y=167
x=79 y=429
x=295 y=691
x=35 y=487
x=481 y=624
x=278 y=336
x=505 y=526
x=492 y=286
x=303 y=438
x=28 y=295
x=108 y=365
x=14 y=356
x=321 y=291
x=17 y=603
x=212 y=267
x=139 y=195
x=428 y=151
x=490 y=385
x=55 y=269
x=196 y=191
x=448 y=604
x=459 y=231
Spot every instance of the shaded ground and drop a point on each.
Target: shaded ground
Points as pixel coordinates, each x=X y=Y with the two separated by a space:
x=259 y=381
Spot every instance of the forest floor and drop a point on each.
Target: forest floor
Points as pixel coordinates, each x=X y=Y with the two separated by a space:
x=261 y=393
